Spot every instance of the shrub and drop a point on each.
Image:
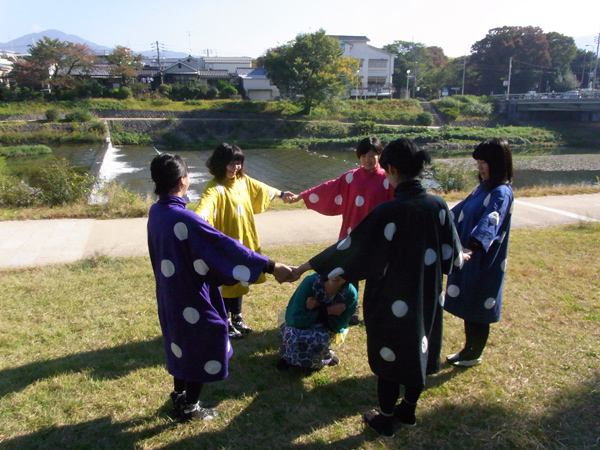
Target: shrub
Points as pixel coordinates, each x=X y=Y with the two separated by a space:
x=61 y=184
x=78 y=115
x=14 y=192
x=452 y=177
x=52 y=115
x=123 y=93
x=24 y=150
x=424 y=119
x=364 y=128
x=97 y=127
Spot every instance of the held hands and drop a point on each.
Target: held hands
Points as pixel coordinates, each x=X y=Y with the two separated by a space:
x=312 y=303
x=290 y=197
x=283 y=273
x=336 y=309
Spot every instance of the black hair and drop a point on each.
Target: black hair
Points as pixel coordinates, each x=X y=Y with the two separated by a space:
x=221 y=157
x=166 y=170
x=367 y=144
x=496 y=152
x=405 y=157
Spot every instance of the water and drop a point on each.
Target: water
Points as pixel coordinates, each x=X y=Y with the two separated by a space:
x=287 y=169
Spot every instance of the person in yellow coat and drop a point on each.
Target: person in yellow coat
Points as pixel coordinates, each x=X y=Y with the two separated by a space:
x=229 y=202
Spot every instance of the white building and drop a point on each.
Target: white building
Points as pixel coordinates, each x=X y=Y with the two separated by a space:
x=257 y=85
x=376 y=67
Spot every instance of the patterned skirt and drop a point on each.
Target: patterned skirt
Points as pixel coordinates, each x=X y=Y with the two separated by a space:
x=305 y=348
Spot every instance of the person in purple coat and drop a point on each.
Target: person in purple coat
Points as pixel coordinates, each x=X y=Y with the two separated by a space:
x=190 y=260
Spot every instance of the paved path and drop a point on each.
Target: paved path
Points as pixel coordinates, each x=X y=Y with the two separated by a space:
x=39 y=242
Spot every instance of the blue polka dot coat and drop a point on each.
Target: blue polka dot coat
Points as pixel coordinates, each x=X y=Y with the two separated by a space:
x=191 y=259
x=475 y=293
x=402 y=248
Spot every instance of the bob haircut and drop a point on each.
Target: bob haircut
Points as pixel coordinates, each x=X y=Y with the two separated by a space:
x=496 y=152
x=221 y=157
x=405 y=157
x=367 y=144
x=166 y=170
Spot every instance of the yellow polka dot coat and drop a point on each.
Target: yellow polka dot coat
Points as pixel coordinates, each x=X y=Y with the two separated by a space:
x=230 y=205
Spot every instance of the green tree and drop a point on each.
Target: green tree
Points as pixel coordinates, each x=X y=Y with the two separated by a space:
x=51 y=62
x=562 y=49
x=311 y=69
x=124 y=64
x=582 y=65
x=530 y=54
x=565 y=80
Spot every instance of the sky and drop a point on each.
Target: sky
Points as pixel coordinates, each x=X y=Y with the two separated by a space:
x=250 y=27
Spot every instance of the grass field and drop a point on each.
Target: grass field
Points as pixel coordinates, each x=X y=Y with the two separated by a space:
x=82 y=364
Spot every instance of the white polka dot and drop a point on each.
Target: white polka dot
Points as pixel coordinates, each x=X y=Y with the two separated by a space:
x=359 y=201
x=386 y=184
x=335 y=273
x=453 y=290
x=313 y=198
x=191 y=315
x=349 y=177
x=502 y=237
x=487 y=200
x=424 y=344
x=228 y=346
x=212 y=367
x=387 y=354
x=244 y=283
x=241 y=273
x=494 y=218
x=452 y=216
x=399 y=308
x=461 y=217
x=349 y=230
x=489 y=303
x=241 y=241
x=220 y=189
x=503 y=265
x=181 y=231
x=345 y=243
x=200 y=267
x=430 y=256
x=446 y=251
x=442 y=299
x=460 y=260
x=272 y=193
x=512 y=206
x=240 y=210
x=204 y=214
x=442 y=217
x=389 y=231
x=167 y=268
x=338 y=199
x=176 y=350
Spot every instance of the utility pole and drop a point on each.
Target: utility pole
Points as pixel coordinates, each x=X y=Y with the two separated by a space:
x=597 y=40
x=509 y=75
x=158 y=59
x=462 y=92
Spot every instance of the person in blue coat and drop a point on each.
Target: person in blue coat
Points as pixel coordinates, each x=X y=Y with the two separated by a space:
x=482 y=221
x=190 y=260
x=402 y=248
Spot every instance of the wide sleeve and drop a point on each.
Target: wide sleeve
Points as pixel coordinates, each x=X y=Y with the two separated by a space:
x=208 y=204
x=452 y=255
x=297 y=315
x=219 y=258
x=326 y=198
x=497 y=206
x=364 y=253
x=260 y=194
x=337 y=323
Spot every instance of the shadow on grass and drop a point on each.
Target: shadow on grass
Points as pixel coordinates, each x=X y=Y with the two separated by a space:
x=109 y=363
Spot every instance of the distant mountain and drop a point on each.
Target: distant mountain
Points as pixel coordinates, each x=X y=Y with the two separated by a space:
x=21 y=45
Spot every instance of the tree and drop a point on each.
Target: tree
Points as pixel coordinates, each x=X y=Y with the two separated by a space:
x=311 y=69
x=565 y=80
x=562 y=49
x=54 y=62
x=124 y=63
x=582 y=65
x=530 y=54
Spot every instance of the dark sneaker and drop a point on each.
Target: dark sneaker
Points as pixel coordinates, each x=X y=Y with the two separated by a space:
x=196 y=412
x=354 y=320
x=234 y=333
x=239 y=324
x=334 y=361
x=405 y=414
x=380 y=423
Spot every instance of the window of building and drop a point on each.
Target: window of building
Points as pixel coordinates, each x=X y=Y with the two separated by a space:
x=377 y=81
x=377 y=63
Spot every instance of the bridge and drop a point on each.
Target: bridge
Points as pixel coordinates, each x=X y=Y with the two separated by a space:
x=571 y=106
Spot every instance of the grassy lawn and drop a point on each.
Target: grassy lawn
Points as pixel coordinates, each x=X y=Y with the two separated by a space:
x=82 y=364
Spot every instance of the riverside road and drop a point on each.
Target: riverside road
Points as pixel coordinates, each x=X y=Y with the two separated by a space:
x=40 y=242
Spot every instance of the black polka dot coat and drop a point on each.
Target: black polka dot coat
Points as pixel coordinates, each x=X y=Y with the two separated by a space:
x=402 y=248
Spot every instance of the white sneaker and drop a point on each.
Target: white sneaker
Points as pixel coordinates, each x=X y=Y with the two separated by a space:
x=469 y=363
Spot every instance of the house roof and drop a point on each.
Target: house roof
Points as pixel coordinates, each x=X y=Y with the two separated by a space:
x=212 y=74
x=228 y=60
x=251 y=72
x=345 y=38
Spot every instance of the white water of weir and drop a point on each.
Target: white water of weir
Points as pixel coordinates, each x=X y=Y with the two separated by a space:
x=110 y=168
